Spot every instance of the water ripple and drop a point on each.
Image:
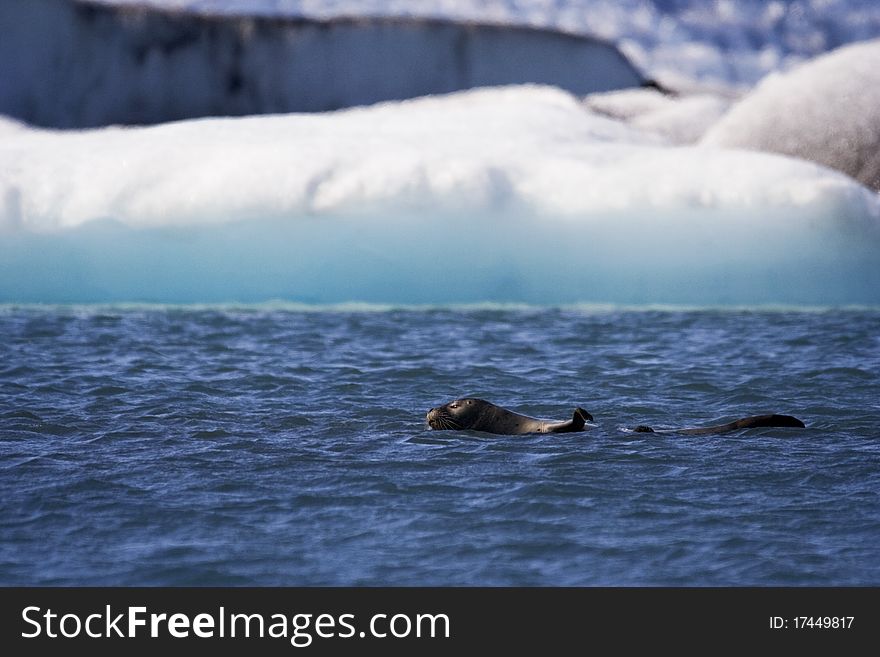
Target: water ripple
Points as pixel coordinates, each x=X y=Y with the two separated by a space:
x=252 y=446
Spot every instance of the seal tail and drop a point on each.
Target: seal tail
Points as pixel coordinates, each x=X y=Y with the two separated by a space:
x=580 y=418
x=773 y=420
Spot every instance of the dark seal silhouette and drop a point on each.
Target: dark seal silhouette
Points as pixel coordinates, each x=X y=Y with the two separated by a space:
x=480 y=415
x=744 y=423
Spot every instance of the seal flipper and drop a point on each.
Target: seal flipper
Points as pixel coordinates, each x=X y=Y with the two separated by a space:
x=579 y=419
x=643 y=429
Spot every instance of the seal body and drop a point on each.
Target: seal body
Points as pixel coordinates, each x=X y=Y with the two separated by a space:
x=773 y=420
x=479 y=415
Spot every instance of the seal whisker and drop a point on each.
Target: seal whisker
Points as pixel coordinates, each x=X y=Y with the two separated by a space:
x=451 y=423
x=448 y=423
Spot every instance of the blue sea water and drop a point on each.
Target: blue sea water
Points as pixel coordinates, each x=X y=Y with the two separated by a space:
x=278 y=445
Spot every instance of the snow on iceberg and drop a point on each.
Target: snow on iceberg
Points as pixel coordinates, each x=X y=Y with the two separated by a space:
x=679 y=118
x=827 y=111
x=514 y=194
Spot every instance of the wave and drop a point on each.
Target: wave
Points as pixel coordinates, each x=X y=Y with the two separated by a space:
x=99 y=309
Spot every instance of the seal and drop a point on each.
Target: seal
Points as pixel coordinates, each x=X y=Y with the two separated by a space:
x=773 y=420
x=479 y=415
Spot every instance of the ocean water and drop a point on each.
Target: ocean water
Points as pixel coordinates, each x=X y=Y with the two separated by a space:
x=281 y=445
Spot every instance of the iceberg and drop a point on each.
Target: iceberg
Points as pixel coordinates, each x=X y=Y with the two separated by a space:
x=726 y=43
x=101 y=64
x=825 y=110
x=514 y=194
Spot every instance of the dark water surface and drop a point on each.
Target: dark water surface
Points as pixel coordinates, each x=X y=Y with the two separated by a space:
x=275 y=446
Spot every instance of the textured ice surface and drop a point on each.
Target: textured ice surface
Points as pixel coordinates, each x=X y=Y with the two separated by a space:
x=827 y=111
x=726 y=42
